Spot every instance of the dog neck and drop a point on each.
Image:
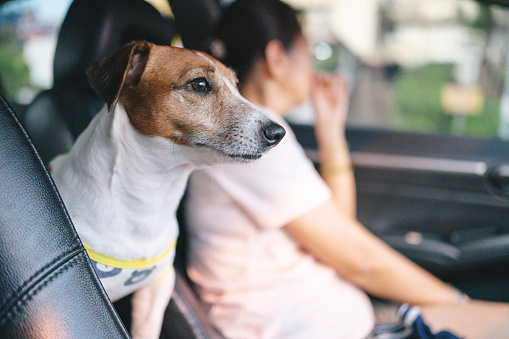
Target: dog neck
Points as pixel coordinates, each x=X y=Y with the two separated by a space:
x=134 y=184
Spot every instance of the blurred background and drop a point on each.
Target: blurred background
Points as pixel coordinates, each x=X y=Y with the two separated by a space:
x=433 y=66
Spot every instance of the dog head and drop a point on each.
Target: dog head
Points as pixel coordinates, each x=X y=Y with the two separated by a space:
x=186 y=97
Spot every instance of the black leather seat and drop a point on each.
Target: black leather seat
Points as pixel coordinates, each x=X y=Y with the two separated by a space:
x=195 y=21
x=48 y=286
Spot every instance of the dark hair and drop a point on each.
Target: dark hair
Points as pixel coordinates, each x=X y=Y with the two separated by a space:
x=245 y=29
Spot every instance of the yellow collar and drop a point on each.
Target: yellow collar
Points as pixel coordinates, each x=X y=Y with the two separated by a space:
x=118 y=263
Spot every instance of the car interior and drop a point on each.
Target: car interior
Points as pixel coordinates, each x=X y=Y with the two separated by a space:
x=441 y=200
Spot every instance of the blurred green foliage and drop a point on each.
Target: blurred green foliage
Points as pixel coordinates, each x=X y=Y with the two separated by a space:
x=484 y=20
x=418 y=103
x=417 y=97
x=485 y=124
x=14 y=72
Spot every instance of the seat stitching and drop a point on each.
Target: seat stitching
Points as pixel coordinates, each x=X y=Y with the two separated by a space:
x=34 y=291
x=39 y=275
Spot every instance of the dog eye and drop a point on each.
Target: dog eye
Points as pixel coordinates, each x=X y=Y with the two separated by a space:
x=200 y=85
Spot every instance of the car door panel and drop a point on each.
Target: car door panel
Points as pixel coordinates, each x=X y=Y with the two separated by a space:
x=440 y=200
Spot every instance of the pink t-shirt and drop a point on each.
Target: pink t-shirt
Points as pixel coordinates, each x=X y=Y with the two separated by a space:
x=254 y=279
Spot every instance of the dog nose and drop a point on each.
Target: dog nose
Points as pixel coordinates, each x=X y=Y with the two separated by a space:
x=273 y=134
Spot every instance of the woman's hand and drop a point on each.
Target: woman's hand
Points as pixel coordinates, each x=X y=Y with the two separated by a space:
x=475 y=319
x=330 y=96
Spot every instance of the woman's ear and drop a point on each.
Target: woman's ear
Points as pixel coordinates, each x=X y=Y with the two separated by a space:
x=276 y=59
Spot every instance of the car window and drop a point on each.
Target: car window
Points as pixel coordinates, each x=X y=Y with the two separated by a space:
x=28 y=37
x=434 y=66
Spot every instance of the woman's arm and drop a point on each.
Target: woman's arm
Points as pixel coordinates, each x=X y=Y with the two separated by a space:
x=330 y=99
x=361 y=258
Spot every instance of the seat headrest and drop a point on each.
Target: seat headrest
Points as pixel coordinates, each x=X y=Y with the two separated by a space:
x=94 y=29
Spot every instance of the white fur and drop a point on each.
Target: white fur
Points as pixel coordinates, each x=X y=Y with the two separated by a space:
x=122 y=187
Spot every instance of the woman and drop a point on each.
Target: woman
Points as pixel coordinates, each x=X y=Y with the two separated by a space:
x=275 y=250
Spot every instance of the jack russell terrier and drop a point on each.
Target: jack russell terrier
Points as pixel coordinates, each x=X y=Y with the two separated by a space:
x=168 y=111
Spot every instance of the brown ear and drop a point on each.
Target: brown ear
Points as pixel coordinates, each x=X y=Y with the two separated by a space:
x=108 y=76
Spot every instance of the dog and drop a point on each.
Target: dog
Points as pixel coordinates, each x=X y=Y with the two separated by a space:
x=168 y=111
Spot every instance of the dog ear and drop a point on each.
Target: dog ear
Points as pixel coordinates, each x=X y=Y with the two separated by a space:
x=110 y=75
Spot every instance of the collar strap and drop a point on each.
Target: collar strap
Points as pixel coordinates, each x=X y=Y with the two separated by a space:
x=118 y=263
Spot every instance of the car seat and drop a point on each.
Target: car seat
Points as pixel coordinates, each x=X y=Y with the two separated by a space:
x=195 y=21
x=48 y=286
x=92 y=30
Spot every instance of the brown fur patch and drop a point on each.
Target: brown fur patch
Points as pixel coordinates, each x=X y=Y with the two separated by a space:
x=185 y=96
x=164 y=104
